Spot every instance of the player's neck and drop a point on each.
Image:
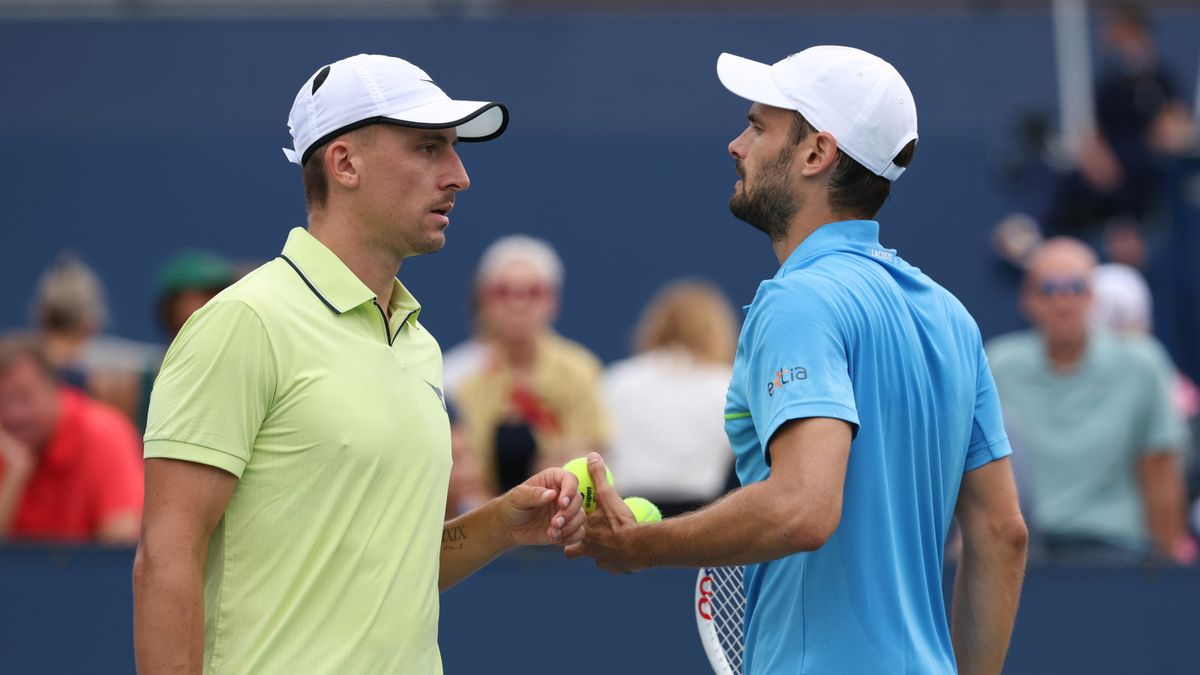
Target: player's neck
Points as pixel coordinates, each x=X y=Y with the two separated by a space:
x=375 y=266
x=803 y=224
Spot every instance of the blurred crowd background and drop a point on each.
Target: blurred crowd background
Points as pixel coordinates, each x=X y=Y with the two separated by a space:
x=588 y=298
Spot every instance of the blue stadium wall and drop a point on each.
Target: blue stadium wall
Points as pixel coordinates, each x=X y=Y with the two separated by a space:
x=70 y=611
x=126 y=139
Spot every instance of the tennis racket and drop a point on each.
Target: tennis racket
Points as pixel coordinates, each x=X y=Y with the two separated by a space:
x=720 y=608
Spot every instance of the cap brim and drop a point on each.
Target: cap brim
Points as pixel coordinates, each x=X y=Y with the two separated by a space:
x=475 y=121
x=751 y=80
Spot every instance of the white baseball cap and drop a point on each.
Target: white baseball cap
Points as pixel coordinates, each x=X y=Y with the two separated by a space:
x=856 y=96
x=370 y=89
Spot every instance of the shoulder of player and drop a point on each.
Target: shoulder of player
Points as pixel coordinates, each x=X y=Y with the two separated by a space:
x=802 y=295
x=263 y=292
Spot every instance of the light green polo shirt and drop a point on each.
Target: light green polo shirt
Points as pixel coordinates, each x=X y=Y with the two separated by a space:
x=1080 y=434
x=326 y=560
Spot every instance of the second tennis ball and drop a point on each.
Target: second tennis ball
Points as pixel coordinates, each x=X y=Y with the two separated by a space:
x=644 y=510
x=578 y=466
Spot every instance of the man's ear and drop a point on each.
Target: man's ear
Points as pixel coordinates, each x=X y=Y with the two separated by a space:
x=820 y=153
x=342 y=164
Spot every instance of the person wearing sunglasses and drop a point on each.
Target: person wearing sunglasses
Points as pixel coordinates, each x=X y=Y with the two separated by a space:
x=532 y=398
x=1100 y=439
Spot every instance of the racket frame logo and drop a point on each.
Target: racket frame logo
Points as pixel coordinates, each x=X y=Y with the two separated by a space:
x=704 y=604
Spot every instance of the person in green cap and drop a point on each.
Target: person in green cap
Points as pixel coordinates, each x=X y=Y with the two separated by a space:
x=188 y=280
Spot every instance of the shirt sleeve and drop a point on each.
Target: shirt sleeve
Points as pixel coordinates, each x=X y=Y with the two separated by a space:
x=989 y=442
x=215 y=389
x=1165 y=428
x=797 y=366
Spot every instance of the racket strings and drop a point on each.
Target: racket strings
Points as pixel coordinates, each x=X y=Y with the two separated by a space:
x=728 y=612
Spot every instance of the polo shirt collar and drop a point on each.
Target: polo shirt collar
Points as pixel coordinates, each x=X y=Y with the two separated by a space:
x=324 y=272
x=334 y=283
x=861 y=236
x=403 y=304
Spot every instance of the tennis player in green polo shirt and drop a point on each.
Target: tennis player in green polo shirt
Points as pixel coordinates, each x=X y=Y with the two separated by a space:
x=298 y=447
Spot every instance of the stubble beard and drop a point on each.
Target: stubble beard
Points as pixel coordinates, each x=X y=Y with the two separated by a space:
x=769 y=207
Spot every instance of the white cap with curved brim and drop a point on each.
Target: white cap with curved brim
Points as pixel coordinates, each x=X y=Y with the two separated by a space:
x=856 y=96
x=374 y=89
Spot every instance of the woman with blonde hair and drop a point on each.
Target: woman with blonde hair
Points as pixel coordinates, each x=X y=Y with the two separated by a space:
x=667 y=401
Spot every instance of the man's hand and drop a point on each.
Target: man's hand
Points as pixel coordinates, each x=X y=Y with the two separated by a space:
x=17 y=462
x=16 y=457
x=546 y=509
x=606 y=533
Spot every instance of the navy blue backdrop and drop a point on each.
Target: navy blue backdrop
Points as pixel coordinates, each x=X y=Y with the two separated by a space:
x=127 y=139
x=70 y=611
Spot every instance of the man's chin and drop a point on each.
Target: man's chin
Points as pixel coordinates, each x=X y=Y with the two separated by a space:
x=433 y=244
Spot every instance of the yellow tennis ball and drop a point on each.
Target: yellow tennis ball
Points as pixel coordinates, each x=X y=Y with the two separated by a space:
x=644 y=510
x=578 y=466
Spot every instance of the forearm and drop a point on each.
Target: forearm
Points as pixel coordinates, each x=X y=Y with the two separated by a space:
x=1166 y=520
x=168 y=614
x=747 y=526
x=987 y=588
x=469 y=542
x=1163 y=500
x=12 y=484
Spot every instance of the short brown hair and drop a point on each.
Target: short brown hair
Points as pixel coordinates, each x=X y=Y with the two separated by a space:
x=693 y=315
x=854 y=190
x=312 y=175
x=16 y=347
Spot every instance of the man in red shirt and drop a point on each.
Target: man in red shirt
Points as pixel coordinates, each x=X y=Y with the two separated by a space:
x=70 y=468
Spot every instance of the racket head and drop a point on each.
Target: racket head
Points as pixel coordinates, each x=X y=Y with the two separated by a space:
x=720 y=607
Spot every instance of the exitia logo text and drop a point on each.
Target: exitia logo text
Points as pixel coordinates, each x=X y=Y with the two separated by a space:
x=785 y=376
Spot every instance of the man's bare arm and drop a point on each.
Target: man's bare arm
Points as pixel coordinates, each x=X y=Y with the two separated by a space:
x=16 y=467
x=547 y=509
x=992 y=567
x=184 y=503
x=797 y=508
x=1161 y=481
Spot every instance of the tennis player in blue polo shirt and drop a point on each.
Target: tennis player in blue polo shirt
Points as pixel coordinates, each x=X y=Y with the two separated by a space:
x=862 y=411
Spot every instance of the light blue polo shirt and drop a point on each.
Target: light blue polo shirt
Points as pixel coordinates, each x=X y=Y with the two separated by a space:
x=848 y=330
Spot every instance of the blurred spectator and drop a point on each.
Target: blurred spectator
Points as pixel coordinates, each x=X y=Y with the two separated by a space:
x=466 y=490
x=668 y=401
x=187 y=281
x=1115 y=184
x=1100 y=436
x=535 y=401
x=69 y=310
x=1122 y=304
x=69 y=467
x=69 y=314
x=462 y=361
